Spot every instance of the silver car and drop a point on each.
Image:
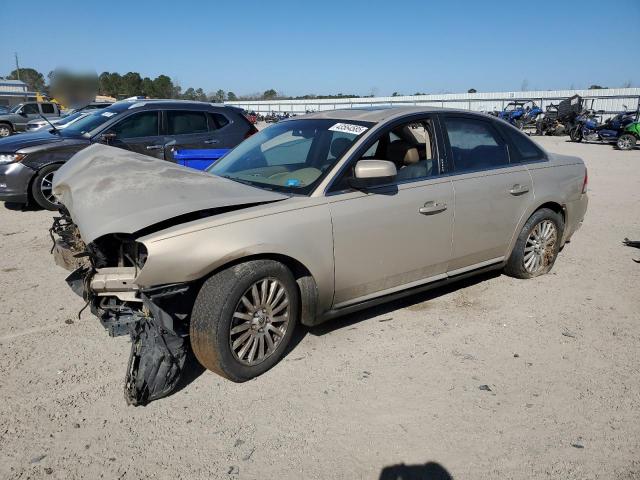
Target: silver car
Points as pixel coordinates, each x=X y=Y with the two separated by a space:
x=312 y=218
x=58 y=123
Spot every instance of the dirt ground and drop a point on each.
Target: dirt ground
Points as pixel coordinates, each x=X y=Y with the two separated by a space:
x=558 y=360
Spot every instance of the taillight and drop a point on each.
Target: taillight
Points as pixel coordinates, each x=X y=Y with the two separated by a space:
x=251 y=131
x=586 y=180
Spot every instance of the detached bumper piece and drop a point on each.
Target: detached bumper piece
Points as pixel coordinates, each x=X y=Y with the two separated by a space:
x=158 y=331
x=156 y=363
x=159 y=346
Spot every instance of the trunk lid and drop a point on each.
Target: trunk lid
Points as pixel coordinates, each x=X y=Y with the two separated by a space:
x=110 y=190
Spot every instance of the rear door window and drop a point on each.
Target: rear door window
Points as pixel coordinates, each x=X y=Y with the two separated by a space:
x=186 y=122
x=144 y=124
x=475 y=144
x=47 y=108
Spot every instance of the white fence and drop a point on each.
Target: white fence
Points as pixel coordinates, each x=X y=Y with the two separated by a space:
x=611 y=100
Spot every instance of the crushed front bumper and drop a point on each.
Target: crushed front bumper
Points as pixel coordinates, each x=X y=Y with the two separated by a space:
x=155 y=318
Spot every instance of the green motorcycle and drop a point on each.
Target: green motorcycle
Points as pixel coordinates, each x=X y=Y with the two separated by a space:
x=629 y=137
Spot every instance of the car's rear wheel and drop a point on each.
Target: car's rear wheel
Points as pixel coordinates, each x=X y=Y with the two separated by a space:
x=626 y=141
x=537 y=246
x=42 y=188
x=5 y=130
x=243 y=319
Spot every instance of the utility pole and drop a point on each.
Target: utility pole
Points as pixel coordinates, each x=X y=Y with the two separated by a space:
x=18 y=73
x=17 y=66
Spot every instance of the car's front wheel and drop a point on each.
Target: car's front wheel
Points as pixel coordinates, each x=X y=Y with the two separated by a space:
x=243 y=318
x=5 y=130
x=537 y=245
x=42 y=188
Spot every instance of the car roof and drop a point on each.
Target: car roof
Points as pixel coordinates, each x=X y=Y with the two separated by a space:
x=379 y=114
x=167 y=103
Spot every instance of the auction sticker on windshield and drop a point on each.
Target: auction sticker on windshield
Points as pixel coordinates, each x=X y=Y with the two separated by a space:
x=349 y=128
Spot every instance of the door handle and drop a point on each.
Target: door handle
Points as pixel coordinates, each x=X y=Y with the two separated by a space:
x=432 y=207
x=212 y=141
x=155 y=147
x=518 y=189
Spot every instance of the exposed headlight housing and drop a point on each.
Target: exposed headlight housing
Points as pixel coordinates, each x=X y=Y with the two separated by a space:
x=11 y=157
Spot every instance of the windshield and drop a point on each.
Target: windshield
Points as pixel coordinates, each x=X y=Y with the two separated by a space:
x=91 y=122
x=69 y=118
x=291 y=156
x=16 y=108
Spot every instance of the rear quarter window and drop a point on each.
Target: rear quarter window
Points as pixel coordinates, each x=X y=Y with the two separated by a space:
x=521 y=148
x=219 y=120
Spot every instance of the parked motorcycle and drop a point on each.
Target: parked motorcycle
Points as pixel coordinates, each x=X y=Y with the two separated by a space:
x=587 y=127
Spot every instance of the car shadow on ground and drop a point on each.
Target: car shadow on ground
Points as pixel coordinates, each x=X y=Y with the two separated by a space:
x=428 y=471
x=21 y=207
x=392 y=306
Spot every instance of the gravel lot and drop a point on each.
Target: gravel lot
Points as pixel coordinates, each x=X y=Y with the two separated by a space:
x=399 y=384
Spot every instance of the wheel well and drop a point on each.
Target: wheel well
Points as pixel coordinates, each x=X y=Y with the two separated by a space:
x=556 y=207
x=9 y=124
x=307 y=286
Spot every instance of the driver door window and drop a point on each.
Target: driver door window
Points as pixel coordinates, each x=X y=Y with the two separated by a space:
x=139 y=133
x=143 y=124
x=30 y=109
x=412 y=147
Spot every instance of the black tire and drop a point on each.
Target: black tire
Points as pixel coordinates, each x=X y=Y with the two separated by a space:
x=5 y=130
x=40 y=195
x=214 y=310
x=515 y=266
x=626 y=141
x=575 y=134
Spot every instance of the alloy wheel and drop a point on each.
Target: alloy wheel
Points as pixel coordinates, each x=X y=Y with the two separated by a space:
x=46 y=187
x=260 y=321
x=4 y=131
x=540 y=248
x=624 y=143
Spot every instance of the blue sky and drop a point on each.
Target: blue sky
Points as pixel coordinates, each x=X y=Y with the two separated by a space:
x=329 y=46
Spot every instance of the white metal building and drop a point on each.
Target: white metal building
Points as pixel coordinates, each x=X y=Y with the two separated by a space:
x=611 y=100
x=14 y=91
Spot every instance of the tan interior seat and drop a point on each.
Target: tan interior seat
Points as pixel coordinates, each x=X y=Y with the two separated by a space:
x=402 y=153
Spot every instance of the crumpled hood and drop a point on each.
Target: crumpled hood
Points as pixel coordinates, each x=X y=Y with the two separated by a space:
x=110 y=190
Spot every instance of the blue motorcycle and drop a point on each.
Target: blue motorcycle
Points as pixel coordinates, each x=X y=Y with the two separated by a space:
x=588 y=128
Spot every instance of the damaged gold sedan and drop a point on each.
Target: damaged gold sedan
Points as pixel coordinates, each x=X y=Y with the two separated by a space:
x=311 y=218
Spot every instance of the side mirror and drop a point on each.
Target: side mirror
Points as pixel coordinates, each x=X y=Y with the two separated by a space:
x=107 y=137
x=372 y=173
x=22 y=113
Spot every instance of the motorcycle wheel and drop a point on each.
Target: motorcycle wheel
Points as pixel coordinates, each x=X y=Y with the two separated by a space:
x=576 y=134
